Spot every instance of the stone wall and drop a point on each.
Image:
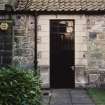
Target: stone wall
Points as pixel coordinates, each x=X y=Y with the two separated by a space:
x=44 y=45
x=89 y=49
x=96 y=50
x=89 y=46
x=92 y=74
x=96 y=42
x=23 y=47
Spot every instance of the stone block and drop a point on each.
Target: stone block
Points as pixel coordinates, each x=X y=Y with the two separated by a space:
x=77 y=62
x=96 y=78
x=43 y=47
x=44 y=71
x=18 y=52
x=80 y=39
x=101 y=36
x=93 y=77
x=92 y=64
x=79 y=28
x=80 y=75
x=43 y=61
x=80 y=55
x=24 y=40
x=44 y=28
x=43 y=34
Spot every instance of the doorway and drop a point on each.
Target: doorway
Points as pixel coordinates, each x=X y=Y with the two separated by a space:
x=62 y=70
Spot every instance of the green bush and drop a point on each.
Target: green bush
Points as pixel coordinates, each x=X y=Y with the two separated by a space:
x=19 y=87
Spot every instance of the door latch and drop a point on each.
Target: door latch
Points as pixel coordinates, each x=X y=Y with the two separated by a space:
x=72 y=67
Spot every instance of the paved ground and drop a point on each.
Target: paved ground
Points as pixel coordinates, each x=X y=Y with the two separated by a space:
x=66 y=97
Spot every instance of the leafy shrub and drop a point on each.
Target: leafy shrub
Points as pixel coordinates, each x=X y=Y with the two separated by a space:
x=19 y=87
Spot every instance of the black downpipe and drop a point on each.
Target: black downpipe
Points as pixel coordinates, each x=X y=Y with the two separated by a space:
x=35 y=59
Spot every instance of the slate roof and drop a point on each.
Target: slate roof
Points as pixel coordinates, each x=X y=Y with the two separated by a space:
x=62 y=5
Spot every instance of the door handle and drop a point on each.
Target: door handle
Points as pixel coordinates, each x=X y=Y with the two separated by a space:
x=72 y=67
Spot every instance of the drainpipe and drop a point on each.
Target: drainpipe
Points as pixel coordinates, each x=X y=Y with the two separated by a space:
x=35 y=59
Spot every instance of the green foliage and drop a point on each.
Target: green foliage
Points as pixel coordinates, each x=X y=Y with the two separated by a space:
x=98 y=95
x=19 y=87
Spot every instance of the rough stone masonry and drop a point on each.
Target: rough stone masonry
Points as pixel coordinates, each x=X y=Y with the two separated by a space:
x=89 y=46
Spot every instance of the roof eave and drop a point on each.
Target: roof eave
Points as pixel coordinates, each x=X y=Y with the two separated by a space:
x=33 y=12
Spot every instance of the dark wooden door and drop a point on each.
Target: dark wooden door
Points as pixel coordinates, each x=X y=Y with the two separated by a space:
x=62 y=54
x=5 y=43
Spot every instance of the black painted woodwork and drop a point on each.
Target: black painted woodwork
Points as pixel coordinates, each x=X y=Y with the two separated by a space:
x=61 y=55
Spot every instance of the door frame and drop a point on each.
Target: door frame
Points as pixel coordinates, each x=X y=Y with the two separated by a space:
x=50 y=46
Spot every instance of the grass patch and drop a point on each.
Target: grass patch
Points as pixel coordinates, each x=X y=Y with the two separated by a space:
x=98 y=95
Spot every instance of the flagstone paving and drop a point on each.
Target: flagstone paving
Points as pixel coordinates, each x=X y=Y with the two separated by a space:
x=66 y=97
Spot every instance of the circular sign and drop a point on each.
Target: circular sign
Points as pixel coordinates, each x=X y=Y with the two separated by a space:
x=4 y=26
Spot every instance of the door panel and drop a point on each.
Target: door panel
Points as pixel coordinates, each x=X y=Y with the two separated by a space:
x=61 y=53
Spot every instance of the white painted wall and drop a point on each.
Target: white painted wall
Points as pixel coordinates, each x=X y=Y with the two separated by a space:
x=44 y=42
